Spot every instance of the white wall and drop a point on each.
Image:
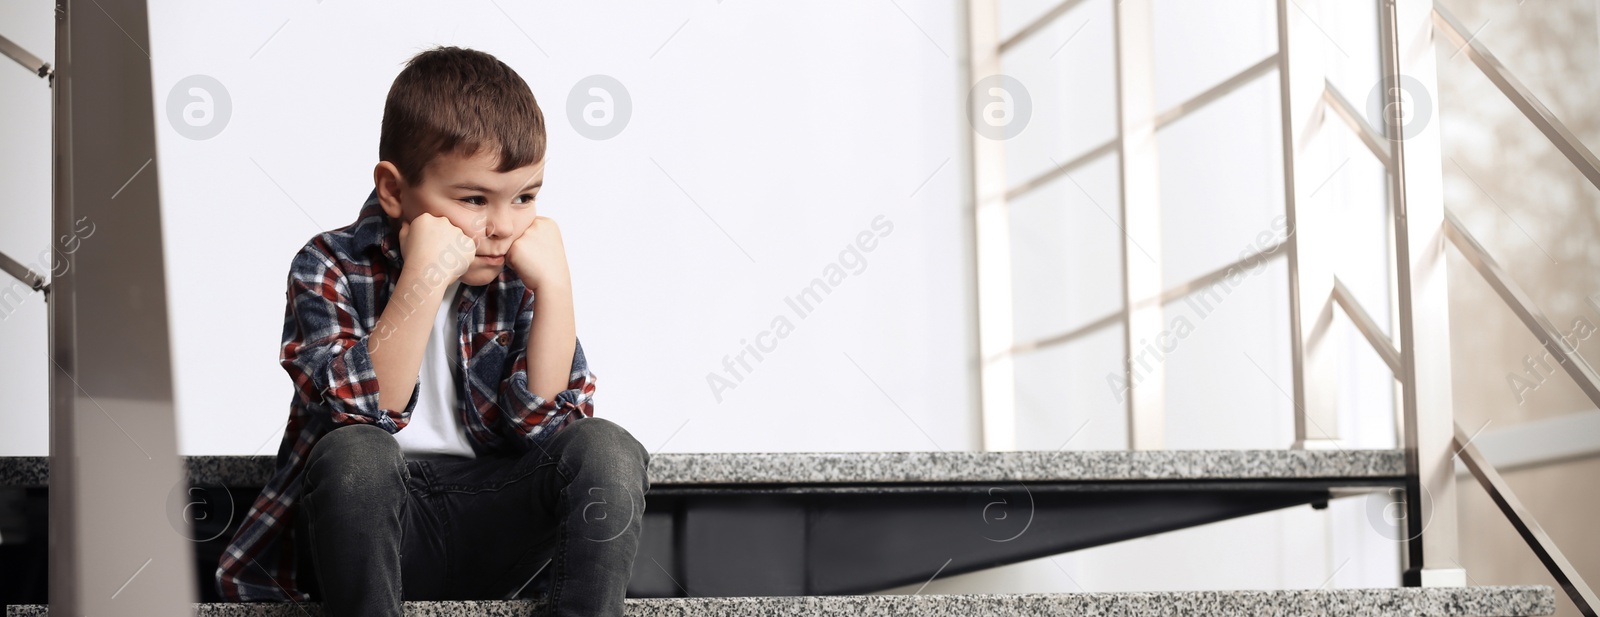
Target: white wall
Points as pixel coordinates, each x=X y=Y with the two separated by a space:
x=763 y=139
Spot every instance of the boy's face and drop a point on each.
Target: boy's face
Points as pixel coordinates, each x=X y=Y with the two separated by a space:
x=492 y=208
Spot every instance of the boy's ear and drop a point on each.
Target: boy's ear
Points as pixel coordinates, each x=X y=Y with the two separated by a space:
x=387 y=179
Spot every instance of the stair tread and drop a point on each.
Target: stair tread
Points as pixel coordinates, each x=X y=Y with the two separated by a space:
x=667 y=469
x=1488 y=601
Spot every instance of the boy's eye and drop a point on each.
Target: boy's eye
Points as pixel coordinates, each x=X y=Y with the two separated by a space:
x=478 y=200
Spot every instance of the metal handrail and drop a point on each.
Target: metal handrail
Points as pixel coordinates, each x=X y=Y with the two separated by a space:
x=1519 y=303
x=1380 y=342
x=1519 y=94
x=11 y=50
x=1500 y=492
x=1223 y=88
x=1039 y=24
x=22 y=273
x=1063 y=169
x=1172 y=114
x=1566 y=575
x=1369 y=137
x=29 y=61
x=1174 y=292
x=1417 y=227
x=1391 y=152
x=1582 y=374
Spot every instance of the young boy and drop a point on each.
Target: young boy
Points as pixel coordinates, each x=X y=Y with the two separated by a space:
x=441 y=443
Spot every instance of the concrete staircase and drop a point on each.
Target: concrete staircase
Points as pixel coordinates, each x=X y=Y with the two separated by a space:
x=810 y=533
x=1404 y=602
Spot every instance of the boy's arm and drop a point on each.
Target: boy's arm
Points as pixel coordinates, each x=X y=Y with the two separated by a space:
x=529 y=417
x=326 y=350
x=552 y=339
x=560 y=389
x=401 y=337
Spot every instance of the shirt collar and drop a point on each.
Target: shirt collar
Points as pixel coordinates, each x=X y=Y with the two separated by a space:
x=374 y=229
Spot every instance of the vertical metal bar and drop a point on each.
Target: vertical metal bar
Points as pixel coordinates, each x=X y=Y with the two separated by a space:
x=1140 y=177
x=115 y=548
x=61 y=343
x=991 y=243
x=1397 y=393
x=1302 y=86
x=1410 y=72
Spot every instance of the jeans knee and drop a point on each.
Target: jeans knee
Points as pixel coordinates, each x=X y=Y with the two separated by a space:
x=602 y=446
x=357 y=459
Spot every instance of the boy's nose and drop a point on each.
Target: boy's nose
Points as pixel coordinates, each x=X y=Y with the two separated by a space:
x=495 y=228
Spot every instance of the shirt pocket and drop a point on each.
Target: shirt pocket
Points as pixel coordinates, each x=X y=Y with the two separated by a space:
x=488 y=360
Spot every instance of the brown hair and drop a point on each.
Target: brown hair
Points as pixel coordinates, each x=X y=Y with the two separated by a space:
x=454 y=99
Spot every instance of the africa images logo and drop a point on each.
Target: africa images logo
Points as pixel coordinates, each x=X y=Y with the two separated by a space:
x=198 y=107
x=598 y=106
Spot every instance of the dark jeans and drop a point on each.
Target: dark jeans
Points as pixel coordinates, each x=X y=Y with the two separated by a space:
x=373 y=527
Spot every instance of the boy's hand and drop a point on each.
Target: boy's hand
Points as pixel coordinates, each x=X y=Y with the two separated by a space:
x=429 y=241
x=539 y=257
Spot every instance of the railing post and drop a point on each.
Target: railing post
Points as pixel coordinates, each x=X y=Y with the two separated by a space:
x=991 y=236
x=117 y=540
x=1410 y=121
x=1140 y=178
x=1302 y=84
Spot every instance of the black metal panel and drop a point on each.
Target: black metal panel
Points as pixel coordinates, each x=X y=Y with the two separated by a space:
x=898 y=540
x=24 y=579
x=744 y=545
x=758 y=540
x=849 y=539
x=657 y=554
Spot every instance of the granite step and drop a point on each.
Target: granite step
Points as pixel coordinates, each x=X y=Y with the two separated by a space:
x=1487 y=601
x=843 y=468
x=795 y=524
x=792 y=524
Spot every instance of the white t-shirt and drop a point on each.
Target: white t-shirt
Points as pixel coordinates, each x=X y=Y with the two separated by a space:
x=434 y=427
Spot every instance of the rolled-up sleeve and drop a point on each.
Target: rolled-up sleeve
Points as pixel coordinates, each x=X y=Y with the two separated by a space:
x=325 y=347
x=530 y=419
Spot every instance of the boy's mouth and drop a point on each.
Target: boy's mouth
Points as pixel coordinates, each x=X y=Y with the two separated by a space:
x=493 y=259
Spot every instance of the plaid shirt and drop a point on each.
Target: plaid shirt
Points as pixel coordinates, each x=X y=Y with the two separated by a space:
x=339 y=283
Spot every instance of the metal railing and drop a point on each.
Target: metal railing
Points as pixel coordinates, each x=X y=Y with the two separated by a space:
x=1582 y=374
x=29 y=61
x=41 y=68
x=1420 y=224
x=1519 y=95
x=108 y=350
x=22 y=273
x=1529 y=529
